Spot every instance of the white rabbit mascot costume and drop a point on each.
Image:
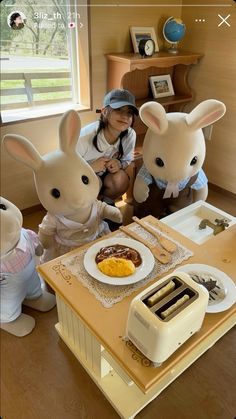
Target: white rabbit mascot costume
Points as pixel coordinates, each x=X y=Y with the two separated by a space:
x=19 y=281
x=173 y=154
x=67 y=187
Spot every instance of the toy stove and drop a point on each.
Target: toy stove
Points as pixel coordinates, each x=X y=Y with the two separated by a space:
x=165 y=315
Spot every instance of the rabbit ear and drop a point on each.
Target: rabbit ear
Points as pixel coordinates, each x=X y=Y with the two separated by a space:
x=21 y=149
x=205 y=113
x=154 y=116
x=69 y=131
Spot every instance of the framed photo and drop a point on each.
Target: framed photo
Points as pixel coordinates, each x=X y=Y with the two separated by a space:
x=138 y=33
x=161 y=86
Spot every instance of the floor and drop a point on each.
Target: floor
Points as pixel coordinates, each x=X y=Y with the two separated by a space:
x=41 y=379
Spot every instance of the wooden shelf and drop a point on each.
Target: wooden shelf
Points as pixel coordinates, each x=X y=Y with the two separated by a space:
x=130 y=71
x=160 y=59
x=165 y=101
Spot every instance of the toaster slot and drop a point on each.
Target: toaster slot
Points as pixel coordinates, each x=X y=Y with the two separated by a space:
x=176 y=304
x=161 y=291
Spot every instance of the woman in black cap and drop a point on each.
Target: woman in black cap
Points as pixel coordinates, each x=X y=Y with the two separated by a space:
x=108 y=144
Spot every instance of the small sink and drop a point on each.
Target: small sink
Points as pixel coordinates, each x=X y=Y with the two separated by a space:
x=186 y=221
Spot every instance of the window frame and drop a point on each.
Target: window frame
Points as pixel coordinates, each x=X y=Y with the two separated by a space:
x=79 y=42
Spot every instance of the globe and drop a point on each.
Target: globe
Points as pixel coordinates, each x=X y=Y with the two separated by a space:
x=173 y=31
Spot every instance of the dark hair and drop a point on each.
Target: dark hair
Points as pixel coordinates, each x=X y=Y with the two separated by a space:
x=103 y=123
x=13 y=17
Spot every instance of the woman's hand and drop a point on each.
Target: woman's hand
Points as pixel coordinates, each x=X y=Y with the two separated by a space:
x=113 y=165
x=99 y=165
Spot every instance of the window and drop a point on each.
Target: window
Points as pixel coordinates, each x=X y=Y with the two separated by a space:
x=44 y=58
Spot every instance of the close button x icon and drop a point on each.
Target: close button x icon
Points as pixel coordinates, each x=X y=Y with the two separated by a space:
x=224 y=20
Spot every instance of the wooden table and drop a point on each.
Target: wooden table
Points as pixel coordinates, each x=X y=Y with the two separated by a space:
x=95 y=334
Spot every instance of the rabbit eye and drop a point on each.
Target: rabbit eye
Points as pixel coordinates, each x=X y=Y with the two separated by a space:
x=55 y=193
x=159 y=162
x=85 y=180
x=193 y=161
x=3 y=207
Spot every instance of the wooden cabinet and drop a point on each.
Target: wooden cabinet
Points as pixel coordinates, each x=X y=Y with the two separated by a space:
x=131 y=72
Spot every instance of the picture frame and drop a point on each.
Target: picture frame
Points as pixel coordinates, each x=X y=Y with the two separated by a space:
x=138 y=33
x=161 y=86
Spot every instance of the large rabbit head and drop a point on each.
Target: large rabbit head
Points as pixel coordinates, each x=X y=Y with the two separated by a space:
x=11 y=223
x=64 y=181
x=174 y=145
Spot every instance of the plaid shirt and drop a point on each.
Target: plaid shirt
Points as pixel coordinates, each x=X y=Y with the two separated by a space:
x=21 y=255
x=199 y=183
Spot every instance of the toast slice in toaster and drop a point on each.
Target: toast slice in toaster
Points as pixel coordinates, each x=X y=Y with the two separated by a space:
x=164 y=314
x=161 y=293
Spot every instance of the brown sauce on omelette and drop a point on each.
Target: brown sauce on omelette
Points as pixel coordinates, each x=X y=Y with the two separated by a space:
x=119 y=251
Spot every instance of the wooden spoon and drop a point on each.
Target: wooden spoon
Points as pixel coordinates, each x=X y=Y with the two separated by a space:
x=165 y=243
x=161 y=255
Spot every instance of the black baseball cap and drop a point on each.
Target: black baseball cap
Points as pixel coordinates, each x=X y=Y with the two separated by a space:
x=117 y=98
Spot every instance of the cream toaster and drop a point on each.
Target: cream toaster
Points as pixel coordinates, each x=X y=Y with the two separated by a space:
x=165 y=315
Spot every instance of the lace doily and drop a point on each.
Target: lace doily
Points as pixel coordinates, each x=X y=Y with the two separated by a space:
x=112 y=294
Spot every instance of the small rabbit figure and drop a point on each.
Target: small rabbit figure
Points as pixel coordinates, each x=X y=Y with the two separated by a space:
x=67 y=187
x=19 y=281
x=173 y=154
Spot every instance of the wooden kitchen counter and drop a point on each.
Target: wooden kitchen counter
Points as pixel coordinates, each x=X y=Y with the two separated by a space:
x=108 y=324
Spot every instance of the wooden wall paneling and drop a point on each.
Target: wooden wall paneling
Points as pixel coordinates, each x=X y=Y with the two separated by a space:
x=215 y=78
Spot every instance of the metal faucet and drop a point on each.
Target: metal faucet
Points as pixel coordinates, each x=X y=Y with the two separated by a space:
x=217 y=228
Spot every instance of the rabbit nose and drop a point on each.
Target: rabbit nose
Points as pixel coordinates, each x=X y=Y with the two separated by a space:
x=76 y=204
x=11 y=229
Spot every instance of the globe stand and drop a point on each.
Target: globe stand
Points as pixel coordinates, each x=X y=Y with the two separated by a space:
x=173 y=49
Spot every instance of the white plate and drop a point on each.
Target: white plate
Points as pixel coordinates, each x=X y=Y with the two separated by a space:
x=140 y=273
x=224 y=282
